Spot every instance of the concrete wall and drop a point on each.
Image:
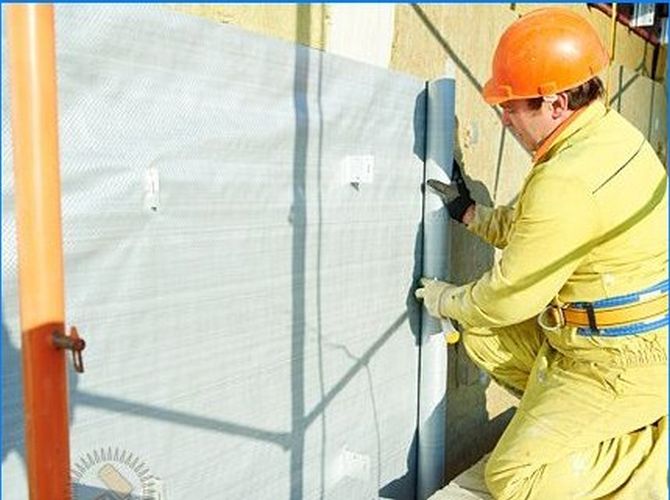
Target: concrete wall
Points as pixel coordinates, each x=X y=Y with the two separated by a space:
x=459 y=39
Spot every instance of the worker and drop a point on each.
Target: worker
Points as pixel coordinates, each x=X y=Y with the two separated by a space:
x=573 y=315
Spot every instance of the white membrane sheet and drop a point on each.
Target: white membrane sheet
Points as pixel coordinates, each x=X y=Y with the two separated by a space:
x=248 y=310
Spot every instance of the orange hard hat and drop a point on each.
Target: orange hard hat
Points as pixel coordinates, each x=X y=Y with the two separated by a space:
x=546 y=51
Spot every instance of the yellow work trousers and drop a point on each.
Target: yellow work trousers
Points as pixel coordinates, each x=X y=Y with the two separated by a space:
x=592 y=421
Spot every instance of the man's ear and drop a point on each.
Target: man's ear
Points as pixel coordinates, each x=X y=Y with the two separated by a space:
x=559 y=107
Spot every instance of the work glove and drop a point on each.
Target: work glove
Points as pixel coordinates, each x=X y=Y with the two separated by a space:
x=431 y=292
x=455 y=196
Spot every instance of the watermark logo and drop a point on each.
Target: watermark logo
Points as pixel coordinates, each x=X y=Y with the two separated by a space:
x=107 y=474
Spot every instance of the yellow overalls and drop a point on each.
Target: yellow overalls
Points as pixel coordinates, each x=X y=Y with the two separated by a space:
x=590 y=224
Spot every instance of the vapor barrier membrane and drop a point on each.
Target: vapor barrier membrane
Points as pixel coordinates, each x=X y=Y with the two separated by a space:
x=248 y=312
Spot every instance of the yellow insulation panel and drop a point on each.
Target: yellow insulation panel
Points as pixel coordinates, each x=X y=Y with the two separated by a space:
x=301 y=23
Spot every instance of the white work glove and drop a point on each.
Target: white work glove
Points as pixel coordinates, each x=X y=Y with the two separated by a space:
x=431 y=292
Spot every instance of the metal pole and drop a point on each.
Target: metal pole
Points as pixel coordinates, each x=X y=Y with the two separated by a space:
x=612 y=48
x=30 y=37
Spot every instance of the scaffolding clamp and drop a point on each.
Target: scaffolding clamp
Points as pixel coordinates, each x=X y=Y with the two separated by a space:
x=72 y=342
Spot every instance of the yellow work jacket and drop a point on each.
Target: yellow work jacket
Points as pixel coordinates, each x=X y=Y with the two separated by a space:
x=590 y=223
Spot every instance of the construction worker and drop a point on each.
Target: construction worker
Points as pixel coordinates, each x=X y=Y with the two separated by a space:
x=573 y=315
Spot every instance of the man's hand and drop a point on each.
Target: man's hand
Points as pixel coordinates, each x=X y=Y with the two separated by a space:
x=455 y=196
x=431 y=292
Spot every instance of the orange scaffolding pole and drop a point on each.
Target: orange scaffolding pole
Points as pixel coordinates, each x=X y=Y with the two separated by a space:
x=30 y=38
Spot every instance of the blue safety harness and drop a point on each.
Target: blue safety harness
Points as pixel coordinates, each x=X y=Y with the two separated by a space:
x=620 y=301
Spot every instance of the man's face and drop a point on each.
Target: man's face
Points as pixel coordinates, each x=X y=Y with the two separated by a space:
x=530 y=126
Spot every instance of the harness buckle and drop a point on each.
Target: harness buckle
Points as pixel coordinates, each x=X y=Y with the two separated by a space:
x=551 y=318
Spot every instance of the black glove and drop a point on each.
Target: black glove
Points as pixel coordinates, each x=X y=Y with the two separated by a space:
x=455 y=196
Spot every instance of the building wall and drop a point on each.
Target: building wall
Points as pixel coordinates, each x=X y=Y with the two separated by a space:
x=458 y=40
